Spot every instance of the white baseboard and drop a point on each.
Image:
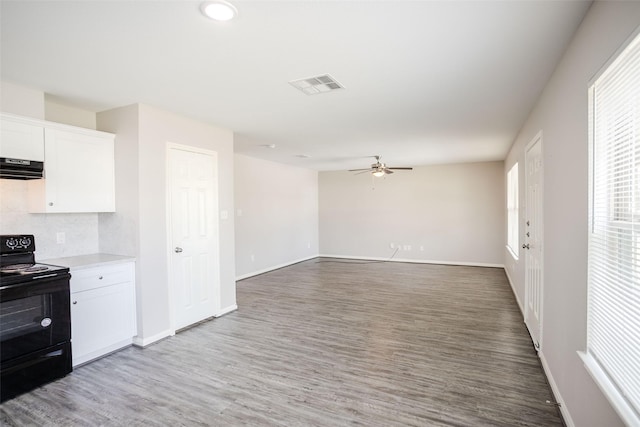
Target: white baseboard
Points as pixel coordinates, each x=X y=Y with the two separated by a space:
x=556 y=392
x=143 y=342
x=415 y=261
x=275 y=267
x=515 y=294
x=226 y=310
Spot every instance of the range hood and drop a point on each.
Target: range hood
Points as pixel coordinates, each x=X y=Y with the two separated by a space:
x=21 y=169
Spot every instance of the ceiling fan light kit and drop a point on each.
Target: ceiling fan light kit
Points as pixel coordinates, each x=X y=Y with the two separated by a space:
x=379 y=169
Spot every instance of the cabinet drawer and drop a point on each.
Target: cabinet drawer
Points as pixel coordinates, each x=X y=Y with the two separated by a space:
x=92 y=278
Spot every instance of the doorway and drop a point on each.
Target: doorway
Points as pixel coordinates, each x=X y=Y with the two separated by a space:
x=533 y=241
x=194 y=257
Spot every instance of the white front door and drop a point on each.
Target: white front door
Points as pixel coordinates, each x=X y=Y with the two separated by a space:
x=194 y=240
x=533 y=240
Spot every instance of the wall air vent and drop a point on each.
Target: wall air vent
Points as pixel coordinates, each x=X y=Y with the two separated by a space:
x=318 y=84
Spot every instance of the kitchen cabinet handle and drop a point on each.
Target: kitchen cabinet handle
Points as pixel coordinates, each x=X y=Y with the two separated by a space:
x=100 y=278
x=50 y=203
x=178 y=250
x=75 y=302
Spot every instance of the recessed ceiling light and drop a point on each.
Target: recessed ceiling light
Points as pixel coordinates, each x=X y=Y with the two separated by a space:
x=219 y=10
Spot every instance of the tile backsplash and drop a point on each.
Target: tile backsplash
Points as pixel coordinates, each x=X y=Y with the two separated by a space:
x=80 y=230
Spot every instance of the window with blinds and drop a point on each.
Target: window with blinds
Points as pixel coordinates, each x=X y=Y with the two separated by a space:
x=613 y=316
x=512 y=211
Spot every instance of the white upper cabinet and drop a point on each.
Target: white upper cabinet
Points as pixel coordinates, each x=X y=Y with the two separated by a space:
x=21 y=138
x=79 y=169
x=79 y=172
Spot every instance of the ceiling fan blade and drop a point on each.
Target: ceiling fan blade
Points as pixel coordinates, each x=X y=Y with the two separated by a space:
x=379 y=168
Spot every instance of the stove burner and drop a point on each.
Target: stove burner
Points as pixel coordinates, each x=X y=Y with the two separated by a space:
x=36 y=268
x=23 y=268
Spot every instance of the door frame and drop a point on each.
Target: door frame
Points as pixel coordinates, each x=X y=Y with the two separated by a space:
x=169 y=229
x=537 y=139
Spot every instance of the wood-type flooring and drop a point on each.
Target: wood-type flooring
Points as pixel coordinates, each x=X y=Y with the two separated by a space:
x=323 y=343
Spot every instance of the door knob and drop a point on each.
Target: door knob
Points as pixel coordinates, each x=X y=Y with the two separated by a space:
x=525 y=246
x=178 y=249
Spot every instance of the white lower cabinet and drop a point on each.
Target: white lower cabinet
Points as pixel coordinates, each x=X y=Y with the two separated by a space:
x=102 y=310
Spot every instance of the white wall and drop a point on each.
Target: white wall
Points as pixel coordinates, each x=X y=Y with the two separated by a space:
x=142 y=204
x=276 y=215
x=119 y=230
x=446 y=213
x=21 y=100
x=57 y=111
x=561 y=114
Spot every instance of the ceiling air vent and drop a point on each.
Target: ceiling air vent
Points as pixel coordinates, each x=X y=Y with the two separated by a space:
x=318 y=84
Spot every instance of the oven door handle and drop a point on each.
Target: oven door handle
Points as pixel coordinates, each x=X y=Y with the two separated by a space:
x=44 y=276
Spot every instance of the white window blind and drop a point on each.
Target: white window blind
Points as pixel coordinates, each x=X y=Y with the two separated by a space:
x=613 y=317
x=512 y=210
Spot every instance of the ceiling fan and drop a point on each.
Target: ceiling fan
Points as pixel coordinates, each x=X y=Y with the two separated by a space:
x=379 y=169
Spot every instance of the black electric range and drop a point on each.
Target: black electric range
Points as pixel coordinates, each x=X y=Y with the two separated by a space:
x=35 y=318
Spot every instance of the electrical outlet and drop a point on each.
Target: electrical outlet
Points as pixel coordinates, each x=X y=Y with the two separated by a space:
x=392 y=246
x=253 y=258
x=308 y=245
x=422 y=248
x=60 y=237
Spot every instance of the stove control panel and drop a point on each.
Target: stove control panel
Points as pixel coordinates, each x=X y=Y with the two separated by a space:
x=16 y=243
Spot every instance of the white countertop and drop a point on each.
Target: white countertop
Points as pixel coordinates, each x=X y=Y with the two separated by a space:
x=88 y=261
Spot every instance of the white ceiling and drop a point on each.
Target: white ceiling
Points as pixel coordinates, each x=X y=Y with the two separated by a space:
x=426 y=81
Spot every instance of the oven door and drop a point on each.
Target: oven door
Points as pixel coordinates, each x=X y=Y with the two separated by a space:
x=34 y=316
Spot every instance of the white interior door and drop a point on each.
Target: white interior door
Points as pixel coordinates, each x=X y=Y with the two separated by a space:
x=194 y=257
x=533 y=240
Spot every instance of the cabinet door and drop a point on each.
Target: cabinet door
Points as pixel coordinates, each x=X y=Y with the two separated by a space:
x=102 y=320
x=21 y=140
x=79 y=172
